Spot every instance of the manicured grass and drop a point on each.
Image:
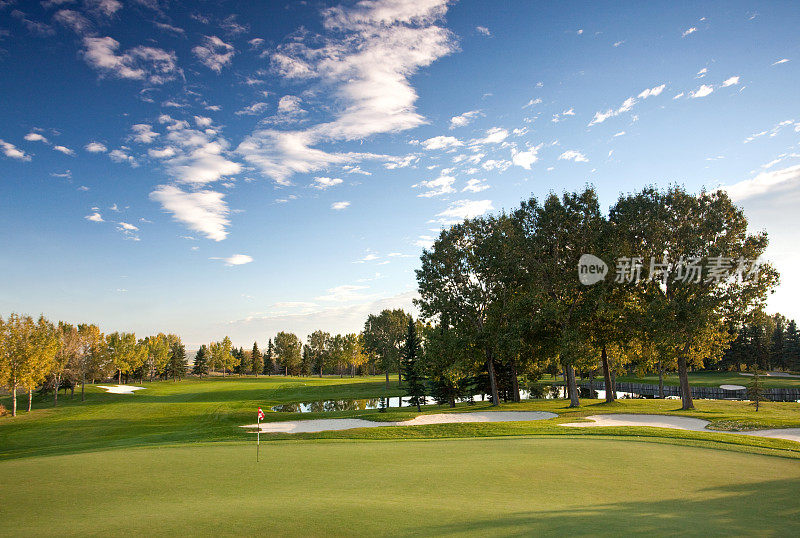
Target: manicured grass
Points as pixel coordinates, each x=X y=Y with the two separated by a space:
x=209 y=410
x=533 y=486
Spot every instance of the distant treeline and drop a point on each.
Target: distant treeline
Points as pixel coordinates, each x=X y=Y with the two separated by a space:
x=39 y=354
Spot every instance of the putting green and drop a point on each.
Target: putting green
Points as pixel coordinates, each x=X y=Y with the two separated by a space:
x=502 y=486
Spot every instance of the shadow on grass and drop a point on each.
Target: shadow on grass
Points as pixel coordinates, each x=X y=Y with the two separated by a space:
x=759 y=508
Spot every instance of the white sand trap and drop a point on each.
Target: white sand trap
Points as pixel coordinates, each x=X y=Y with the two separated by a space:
x=333 y=424
x=771 y=374
x=121 y=389
x=732 y=387
x=655 y=421
x=677 y=423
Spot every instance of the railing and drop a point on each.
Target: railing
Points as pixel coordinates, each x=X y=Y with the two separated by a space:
x=711 y=393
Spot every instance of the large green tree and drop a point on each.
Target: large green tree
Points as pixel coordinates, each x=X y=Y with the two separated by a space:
x=412 y=366
x=288 y=349
x=383 y=336
x=697 y=278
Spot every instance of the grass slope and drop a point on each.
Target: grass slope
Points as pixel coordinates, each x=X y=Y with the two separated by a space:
x=532 y=486
x=199 y=411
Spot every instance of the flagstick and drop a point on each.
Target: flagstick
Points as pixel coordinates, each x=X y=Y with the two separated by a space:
x=258 y=436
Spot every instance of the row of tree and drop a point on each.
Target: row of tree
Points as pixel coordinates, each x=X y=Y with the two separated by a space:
x=503 y=298
x=766 y=343
x=37 y=353
x=286 y=354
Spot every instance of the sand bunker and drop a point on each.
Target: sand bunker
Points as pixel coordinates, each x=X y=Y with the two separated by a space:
x=732 y=387
x=311 y=426
x=121 y=389
x=675 y=422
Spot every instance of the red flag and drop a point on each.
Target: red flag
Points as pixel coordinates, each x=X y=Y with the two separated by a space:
x=260 y=414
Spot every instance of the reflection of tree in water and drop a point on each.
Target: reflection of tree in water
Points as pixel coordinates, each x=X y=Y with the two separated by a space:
x=288 y=408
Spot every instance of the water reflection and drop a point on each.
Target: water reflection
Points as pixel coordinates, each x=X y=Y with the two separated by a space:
x=547 y=392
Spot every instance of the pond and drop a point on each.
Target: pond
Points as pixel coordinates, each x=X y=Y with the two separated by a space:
x=322 y=406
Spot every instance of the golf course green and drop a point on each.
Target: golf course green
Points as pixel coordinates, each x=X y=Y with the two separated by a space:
x=173 y=459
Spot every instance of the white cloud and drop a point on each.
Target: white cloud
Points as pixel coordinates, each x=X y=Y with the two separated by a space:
x=153 y=65
x=94 y=217
x=202 y=121
x=495 y=135
x=765 y=183
x=475 y=185
x=35 y=137
x=326 y=182
x=441 y=142
x=627 y=105
x=95 y=147
x=143 y=133
x=464 y=119
x=401 y=162
x=621 y=133
x=573 y=155
x=342 y=294
x=464 y=209
x=164 y=153
x=120 y=156
x=730 y=82
x=128 y=227
x=63 y=149
x=702 y=91
x=532 y=102
x=338 y=206
x=11 y=151
x=203 y=211
x=483 y=30
x=689 y=31
x=652 y=92
x=214 y=53
x=366 y=58
x=236 y=259
x=703 y=72
x=783 y=61
x=436 y=187
x=199 y=156
x=525 y=158
x=253 y=110
x=678 y=96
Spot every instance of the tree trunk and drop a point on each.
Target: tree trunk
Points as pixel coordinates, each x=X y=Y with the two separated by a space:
x=399 y=374
x=686 y=392
x=514 y=381
x=492 y=378
x=55 y=394
x=660 y=380
x=452 y=401
x=14 y=400
x=83 y=387
x=574 y=398
x=387 y=379
x=30 y=400
x=610 y=394
x=119 y=380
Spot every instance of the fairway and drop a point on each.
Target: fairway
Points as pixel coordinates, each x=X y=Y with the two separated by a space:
x=505 y=486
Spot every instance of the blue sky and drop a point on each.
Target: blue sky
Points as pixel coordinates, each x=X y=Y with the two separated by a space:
x=246 y=167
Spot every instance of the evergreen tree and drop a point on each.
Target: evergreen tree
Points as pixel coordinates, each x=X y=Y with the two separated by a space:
x=412 y=367
x=307 y=362
x=792 y=346
x=755 y=389
x=777 y=345
x=269 y=359
x=201 y=362
x=256 y=361
x=177 y=365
